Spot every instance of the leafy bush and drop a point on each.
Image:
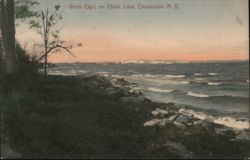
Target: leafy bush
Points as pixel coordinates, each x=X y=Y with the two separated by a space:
x=26 y=66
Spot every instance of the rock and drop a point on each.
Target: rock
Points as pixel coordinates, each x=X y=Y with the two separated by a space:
x=137 y=93
x=152 y=122
x=184 y=112
x=199 y=122
x=119 y=82
x=125 y=90
x=162 y=113
x=164 y=122
x=155 y=113
x=184 y=118
x=170 y=105
x=180 y=125
x=172 y=112
x=172 y=118
x=157 y=122
x=203 y=124
x=131 y=91
x=209 y=120
x=96 y=80
x=198 y=125
x=141 y=98
x=111 y=91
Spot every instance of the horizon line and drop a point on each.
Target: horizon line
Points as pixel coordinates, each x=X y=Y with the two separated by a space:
x=134 y=61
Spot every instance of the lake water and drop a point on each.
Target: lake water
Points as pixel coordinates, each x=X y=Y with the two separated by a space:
x=217 y=89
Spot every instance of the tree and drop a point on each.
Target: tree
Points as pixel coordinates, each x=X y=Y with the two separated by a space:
x=9 y=11
x=2 y=70
x=7 y=24
x=46 y=26
x=23 y=9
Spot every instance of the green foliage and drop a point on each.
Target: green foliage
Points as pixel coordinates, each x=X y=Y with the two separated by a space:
x=26 y=67
x=57 y=7
x=23 y=9
x=34 y=24
x=56 y=116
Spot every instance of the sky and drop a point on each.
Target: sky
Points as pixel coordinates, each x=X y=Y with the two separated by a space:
x=189 y=30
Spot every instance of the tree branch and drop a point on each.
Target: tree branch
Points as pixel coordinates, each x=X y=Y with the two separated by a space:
x=54 y=47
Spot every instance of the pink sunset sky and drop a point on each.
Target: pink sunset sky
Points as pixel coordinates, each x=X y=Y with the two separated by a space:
x=197 y=30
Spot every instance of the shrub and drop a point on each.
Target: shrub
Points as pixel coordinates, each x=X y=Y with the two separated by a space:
x=26 y=65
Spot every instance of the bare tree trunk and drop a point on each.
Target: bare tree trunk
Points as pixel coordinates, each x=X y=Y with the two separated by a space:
x=8 y=34
x=46 y=60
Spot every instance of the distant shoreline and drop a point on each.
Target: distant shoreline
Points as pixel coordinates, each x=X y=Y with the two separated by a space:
x=153 y=62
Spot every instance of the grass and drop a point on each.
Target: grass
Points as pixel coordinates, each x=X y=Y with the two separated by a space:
x=72 y=117
x=58 y=116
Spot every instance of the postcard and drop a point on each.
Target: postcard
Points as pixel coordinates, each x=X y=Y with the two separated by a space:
x=124 y=79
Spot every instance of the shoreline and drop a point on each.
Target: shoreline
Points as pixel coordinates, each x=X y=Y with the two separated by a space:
x=172 y=132
x=226 y=120
x=183 y=109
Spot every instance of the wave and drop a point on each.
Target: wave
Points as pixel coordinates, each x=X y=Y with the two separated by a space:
x=146 y=75
x=62 y=74
x=183 y=82
x=213 y=84
x=227 y=121
x=232 y=122
x=151 y=75
x=159 y=90
x=160 y=77
x=213 y=74
x=176 y=82
x=199 y=79
x=154 y=62
x=105 y=74
x=82 y=71
x=198 y=82
x=73 y=71
x=197 y=95
x=219 y=97
x=198 y=74
x=136 y=88
x=117 y=76
x=174 y=76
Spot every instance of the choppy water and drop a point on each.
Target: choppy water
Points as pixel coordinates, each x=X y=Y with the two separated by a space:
x=217 y=88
